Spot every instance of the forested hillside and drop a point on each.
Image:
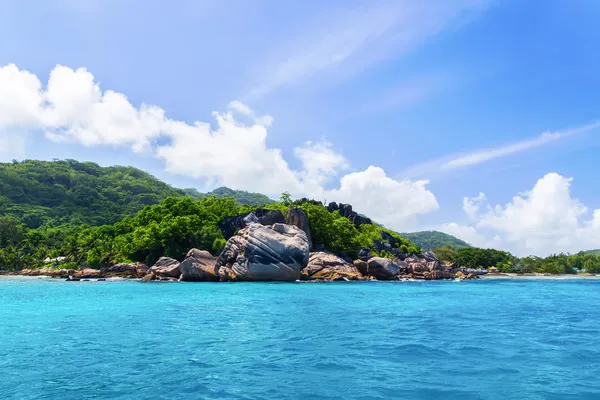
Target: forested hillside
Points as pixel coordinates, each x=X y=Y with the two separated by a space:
x=241 y=196
x=429 y=240
x=70 y=192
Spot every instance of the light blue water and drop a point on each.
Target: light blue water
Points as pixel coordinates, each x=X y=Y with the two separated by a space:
x=367 y=340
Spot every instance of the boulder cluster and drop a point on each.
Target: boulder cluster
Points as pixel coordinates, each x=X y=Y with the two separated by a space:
x=269 y=246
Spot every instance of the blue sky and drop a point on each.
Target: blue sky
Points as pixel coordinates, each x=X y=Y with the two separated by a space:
x=358 y=101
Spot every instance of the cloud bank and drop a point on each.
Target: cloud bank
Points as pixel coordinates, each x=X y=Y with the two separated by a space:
x=73 y=108
x=546 y=219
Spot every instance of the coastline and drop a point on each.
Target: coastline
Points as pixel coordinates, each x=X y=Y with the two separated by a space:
x=489 y=277
x=540 y=277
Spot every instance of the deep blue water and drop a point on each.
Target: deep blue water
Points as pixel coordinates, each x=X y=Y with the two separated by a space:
x=367 y=340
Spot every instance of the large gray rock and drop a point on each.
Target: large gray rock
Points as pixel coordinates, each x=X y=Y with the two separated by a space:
x=166 y=267
x=298 y=218
x=382 y=269
x=199 y=266
x=261 y=253
x=327 y=266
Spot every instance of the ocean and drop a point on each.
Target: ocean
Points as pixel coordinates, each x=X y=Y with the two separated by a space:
x=489 y=339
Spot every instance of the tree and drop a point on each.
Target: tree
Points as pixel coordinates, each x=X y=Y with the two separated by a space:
x=285 y=199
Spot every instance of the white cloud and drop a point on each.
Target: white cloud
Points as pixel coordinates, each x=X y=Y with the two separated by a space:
x=320 y=162
x=351 y=40
x=481 y=156
x=73 y=108
x=385 y=200
x=544 y=220
x=472 y=205
x=470 y=235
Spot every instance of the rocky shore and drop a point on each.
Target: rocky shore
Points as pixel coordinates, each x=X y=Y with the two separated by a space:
x=266 y=248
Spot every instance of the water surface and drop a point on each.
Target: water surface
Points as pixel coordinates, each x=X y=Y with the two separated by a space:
x=417 y=340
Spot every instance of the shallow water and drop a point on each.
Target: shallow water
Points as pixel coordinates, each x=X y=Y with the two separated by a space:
x=418 y=340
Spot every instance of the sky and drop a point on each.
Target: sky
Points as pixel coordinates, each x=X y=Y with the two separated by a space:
x=478 y=118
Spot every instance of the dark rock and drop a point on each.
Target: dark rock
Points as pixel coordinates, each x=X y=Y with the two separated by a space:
x=298 y=218
x=388 y=238
x=362 y=267
x=230 y=225
x=72 y=278
x=198 y=266
x=346 y=211
x=382 y=269
x=364 y=254
x=359 y=220
x=250 y=219
x=166 y=267
x=272 y=217
x=260 y=253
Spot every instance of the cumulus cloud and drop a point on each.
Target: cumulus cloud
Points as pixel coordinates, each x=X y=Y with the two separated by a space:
x=471 y=205
x=543 y=220
x=386 y=200
x=234 y=152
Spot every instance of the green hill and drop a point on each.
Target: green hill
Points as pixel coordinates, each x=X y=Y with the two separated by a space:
x=241 y=196
x=72 y=192
x=594 y=252
x=429 y=240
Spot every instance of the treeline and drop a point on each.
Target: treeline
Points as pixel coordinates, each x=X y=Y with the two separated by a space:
x=169 y=229
x=429 y=240
x=505 y=262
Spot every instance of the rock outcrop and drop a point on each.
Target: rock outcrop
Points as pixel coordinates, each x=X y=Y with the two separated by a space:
x=198 y=266
x=298 y=218
x=436 y=275
x=382 y=269
x=122 y=271
x=166 y=267
x=345 y=210
x=329 y=267
x=261 y=253
x=230 y=225
x=272 y=217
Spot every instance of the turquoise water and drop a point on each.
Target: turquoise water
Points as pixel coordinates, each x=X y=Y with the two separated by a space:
x=366 y=340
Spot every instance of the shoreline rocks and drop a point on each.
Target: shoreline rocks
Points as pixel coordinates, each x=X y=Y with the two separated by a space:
x=199 y=266
x=261 y=253
x=323 y=266
x=166 y=267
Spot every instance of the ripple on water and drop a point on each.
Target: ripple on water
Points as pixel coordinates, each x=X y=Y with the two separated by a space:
x=371 y=340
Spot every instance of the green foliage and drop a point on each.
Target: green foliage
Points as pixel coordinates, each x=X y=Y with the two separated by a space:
x=473 y=257
x=59 y=192
x=429 y=240
x=67 y=265
x=444 y=253
x=337 y=234
x=285 y=199
x=562 y=263
x=242 y=197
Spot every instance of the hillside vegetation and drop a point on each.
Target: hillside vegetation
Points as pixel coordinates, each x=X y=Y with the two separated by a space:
x=429 y=240
x=97 y=216
x=42 y=193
